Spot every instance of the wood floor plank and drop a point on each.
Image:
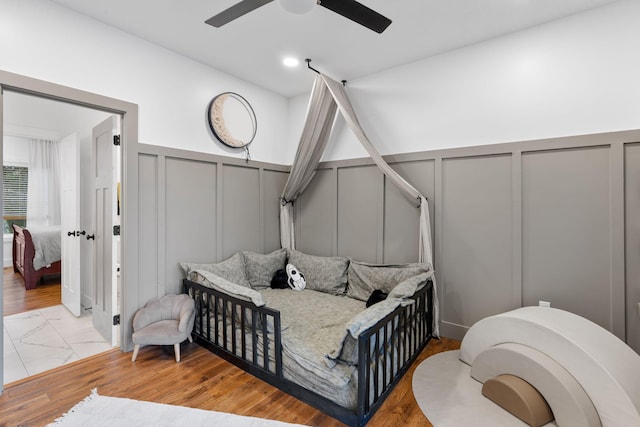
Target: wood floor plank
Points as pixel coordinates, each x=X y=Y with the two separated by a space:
x=16 y=299
x=201 y=380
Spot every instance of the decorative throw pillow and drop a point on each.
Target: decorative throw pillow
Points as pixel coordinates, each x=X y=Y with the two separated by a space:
x=323 y=274
x=410 y=286
x=279 y=280
x=261 y=268
x=231 y=269
x=365 y=278
x=213 y=281
x=346 y=349
x=376 y=297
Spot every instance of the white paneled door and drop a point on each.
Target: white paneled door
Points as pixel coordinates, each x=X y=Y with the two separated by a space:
x=105 y=175
x=70 y=218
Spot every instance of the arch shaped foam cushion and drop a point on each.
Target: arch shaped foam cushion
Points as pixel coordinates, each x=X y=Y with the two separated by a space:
x=569 y=402
x=519 y=398
x=167 y=320
x=606 y=368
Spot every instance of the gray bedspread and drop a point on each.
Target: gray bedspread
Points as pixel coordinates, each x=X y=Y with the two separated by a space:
x=313 y=326
x=46 y=242
x=319 y=332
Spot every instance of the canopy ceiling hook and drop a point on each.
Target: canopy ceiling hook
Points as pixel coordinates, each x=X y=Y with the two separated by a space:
x=308 y=61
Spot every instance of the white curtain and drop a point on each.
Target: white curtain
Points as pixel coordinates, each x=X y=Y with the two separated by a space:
x=43 y=190
x=320 y=118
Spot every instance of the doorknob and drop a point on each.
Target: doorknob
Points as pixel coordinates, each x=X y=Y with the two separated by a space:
x=91 y=237
x=71 y=233
x=81 y=233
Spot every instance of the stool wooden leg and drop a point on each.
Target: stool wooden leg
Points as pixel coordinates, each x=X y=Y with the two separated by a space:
x=135 y=352
x=176 y=348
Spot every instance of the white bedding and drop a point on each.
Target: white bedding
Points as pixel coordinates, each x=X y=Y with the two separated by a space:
x=46 y=242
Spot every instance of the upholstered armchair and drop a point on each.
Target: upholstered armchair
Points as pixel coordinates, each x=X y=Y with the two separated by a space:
x=167 y=320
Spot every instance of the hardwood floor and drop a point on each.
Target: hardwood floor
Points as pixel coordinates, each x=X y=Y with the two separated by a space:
x=200 y=380
x=16 y=299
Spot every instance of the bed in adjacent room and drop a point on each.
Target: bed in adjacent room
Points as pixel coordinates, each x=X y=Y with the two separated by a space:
x=36 y=253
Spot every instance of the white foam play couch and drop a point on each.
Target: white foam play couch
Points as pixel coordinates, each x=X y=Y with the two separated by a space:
x=588 y=376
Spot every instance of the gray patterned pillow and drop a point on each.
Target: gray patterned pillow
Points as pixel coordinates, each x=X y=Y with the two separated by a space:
x=231 y=269
x=213 y=281
x=365 y=278
x=261 y=268
x=410 y=286
x=323 y=274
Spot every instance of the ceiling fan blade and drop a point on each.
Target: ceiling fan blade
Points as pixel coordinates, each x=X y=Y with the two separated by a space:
x=235 y=11
x=359 y=13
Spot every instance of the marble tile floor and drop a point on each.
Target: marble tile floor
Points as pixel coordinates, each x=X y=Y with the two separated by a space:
x=39 y=340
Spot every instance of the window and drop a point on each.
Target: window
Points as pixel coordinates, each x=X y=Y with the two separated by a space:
x=14 y=193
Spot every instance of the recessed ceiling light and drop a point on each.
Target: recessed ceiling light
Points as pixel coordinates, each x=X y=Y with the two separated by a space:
x=290 y=62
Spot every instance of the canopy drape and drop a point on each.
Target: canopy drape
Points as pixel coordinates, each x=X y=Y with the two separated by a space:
x=327 y=98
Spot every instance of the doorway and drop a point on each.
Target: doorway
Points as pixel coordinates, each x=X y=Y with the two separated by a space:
x=55 y=143
x=10 y=82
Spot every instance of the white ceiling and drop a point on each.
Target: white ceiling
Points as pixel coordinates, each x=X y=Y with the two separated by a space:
x=34 y=116
x=253 y=46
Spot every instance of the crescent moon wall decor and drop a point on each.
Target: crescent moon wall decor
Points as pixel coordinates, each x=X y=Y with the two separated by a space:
x=232 y=120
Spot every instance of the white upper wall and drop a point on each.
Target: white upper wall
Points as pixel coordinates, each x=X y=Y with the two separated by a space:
x=574 y=76
x=15 y=151
x=578 y=75
x=43 y=40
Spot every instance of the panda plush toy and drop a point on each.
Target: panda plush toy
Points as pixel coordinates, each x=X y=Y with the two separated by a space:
x=295 y=279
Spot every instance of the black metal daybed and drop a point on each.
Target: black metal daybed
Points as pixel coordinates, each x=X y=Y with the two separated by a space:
x=237 y=331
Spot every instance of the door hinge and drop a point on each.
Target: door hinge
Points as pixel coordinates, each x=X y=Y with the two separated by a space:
x=116 y=139
x=116 y=320
x=116 y=230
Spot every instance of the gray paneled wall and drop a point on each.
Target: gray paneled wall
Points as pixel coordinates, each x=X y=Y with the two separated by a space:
x=201 y=208
x=632 y=242
x=566 y=238
x=316 y=218
x=476 y=247
x=400 y=242
x=553 y=220
x=359 y=212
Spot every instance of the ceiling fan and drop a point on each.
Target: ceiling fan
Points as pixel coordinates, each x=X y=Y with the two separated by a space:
x=350 y=9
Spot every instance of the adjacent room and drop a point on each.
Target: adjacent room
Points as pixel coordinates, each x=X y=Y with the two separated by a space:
x=321 y=213
x=49 y=235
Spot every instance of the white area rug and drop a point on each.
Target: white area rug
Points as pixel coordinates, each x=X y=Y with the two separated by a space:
x=449 y=397
x=103 y=411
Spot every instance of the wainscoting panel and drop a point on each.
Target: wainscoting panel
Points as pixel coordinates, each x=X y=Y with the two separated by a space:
x=273 y=183
x=190 y=222
x=199 y=207
x=566 y=235
x=476 y=238
x=315 y=212
x=240 y=210
x=360 y=213
x=554 y=220
x=148 y=267
x=401 y=214
x=632 y=242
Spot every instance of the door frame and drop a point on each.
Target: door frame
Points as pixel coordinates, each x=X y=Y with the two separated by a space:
x=129 y=189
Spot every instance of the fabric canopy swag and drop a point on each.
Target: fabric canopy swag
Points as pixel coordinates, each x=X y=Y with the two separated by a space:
x=327 y=98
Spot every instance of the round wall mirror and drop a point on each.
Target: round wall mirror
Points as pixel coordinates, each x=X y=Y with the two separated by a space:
x=232 y=120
